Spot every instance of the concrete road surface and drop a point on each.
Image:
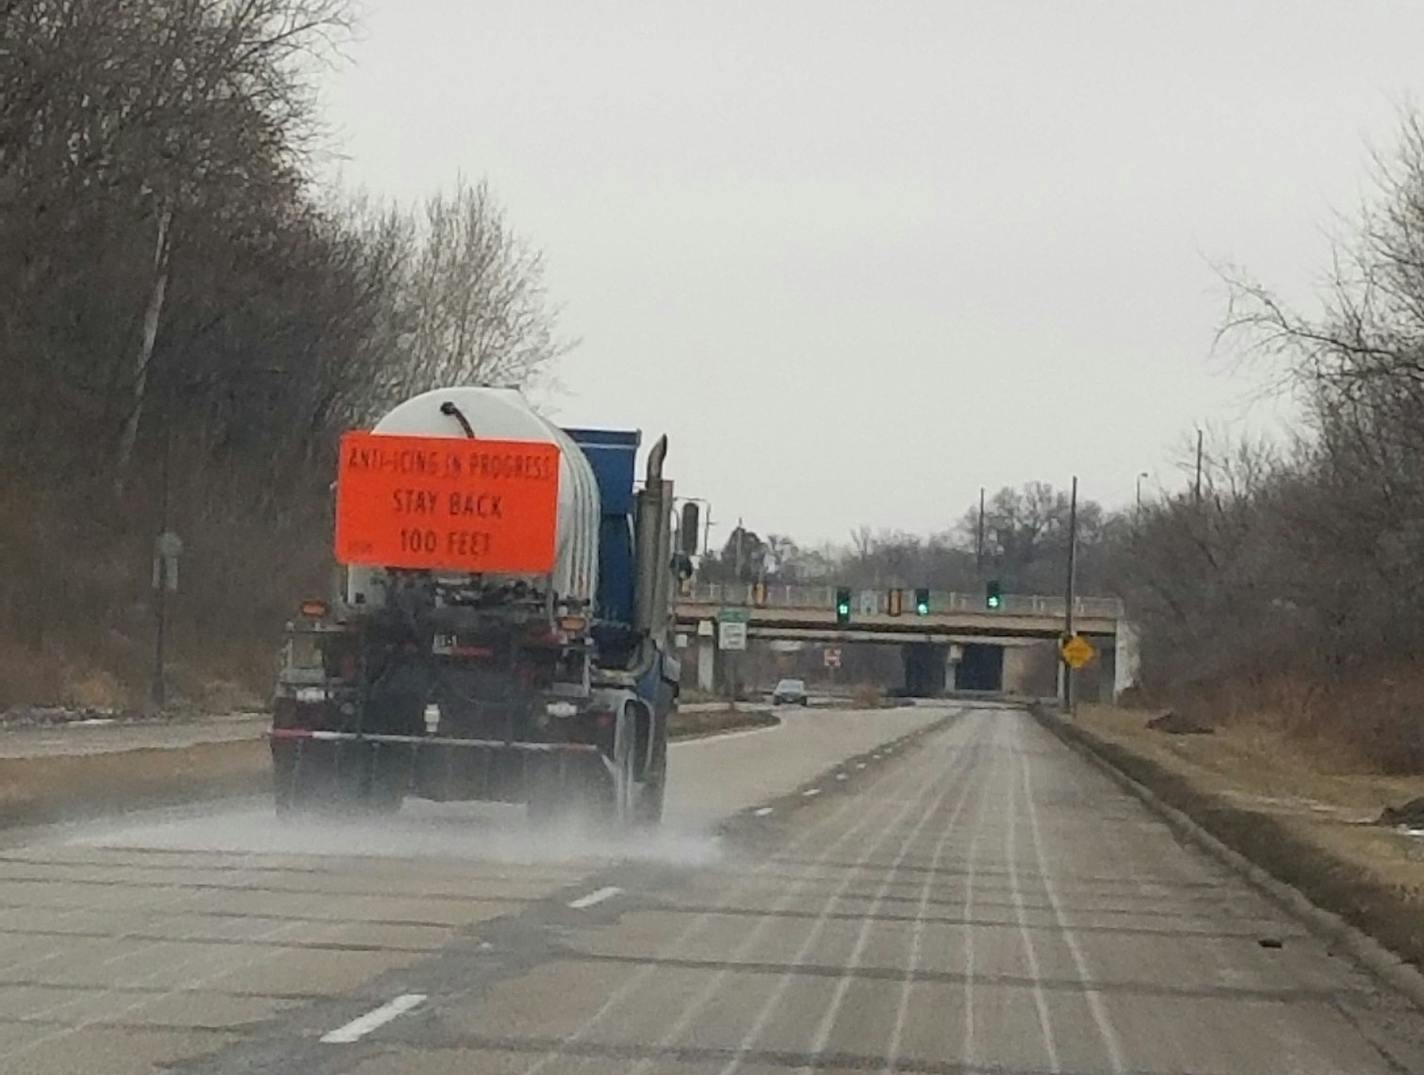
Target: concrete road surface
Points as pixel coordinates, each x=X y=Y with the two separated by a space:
x=975 y=899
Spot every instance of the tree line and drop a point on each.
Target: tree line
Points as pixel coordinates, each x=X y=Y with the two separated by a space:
x=1293 y=584
x=188 y=320
x=1022 y=543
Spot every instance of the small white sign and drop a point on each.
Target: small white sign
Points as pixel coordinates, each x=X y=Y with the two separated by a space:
x=731 y=635
x=167 y=547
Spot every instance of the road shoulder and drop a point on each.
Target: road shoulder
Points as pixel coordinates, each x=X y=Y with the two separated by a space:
x=1377 y=922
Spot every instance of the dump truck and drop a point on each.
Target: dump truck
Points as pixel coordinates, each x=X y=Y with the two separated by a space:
x=500 y=627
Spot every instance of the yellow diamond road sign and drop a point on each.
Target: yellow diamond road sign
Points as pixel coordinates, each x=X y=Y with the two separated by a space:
x=1077 y=651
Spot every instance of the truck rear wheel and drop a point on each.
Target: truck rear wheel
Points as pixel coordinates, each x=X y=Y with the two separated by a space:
x=304 y=775
x=384 y=778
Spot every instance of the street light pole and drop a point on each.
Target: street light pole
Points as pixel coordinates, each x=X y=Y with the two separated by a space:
x=979 y=538
x=1140 y=476
x=158 y=691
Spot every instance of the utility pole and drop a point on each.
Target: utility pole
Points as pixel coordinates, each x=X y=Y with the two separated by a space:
x=1140 y=476
x=158 y=690
x=1196 y=486
x=979 y=539
x=734 y=659
x=1068 y=595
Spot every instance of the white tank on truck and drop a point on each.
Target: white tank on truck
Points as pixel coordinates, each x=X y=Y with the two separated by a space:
x=504 y=414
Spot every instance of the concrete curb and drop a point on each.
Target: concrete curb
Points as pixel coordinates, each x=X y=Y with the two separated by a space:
x=1380 y=961
x=762 y=723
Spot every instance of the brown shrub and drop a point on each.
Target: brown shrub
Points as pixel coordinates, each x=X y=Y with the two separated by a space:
x=1369 y=720
x=867 y=696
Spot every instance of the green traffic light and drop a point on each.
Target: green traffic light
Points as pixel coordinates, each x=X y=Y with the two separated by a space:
x=923 y=608
x=994 y=600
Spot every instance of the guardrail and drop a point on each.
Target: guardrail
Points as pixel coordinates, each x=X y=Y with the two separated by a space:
x=783 y=595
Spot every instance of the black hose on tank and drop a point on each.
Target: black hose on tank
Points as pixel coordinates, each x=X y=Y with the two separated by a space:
x=449 y=408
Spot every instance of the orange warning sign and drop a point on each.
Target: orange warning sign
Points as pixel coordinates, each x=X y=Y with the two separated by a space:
x=445 y=504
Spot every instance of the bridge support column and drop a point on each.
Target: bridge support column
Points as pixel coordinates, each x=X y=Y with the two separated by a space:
x=707 y=664
x=1107 y=675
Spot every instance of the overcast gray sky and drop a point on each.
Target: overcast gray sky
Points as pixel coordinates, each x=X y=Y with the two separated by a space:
x=859 y=259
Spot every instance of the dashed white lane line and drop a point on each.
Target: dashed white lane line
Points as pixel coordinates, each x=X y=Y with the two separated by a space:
x=763 y=811
x=860 y=765
x=840 y=776
x=810 y=792
x=592 y=898
x=359 y=1028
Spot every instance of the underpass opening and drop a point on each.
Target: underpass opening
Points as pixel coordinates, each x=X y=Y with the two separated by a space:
x=980 y=668
x=924 y=668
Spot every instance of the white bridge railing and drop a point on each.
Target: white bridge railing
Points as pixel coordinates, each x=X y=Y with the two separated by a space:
x=782 y=595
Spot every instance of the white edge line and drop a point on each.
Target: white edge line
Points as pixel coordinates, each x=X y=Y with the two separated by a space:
x=358 y=1028
x=763 y=811
x=595 y=897
x=810 y=791
x=720 y=737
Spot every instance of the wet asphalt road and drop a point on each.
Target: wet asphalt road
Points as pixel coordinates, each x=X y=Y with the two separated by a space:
x=973 y=899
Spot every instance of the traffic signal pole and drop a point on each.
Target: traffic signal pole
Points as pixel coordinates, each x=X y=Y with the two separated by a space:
x=979 y=537
x=1068 y=596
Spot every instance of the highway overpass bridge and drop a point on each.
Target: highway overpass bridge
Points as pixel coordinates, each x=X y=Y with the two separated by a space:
x=957 y=639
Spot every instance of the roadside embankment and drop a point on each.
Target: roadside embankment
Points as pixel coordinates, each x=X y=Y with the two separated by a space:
x=1284 y=809
x=47 y=788
x=82 y=772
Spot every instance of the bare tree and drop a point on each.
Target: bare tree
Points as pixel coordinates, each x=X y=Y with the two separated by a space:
x=475 y=298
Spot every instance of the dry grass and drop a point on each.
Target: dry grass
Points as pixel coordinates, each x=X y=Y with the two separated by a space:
x=40 y=790
x=1259 y=756
x=1370 y=720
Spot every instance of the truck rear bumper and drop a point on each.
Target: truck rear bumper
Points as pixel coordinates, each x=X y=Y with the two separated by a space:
x=430 y=740
x=441 y=768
